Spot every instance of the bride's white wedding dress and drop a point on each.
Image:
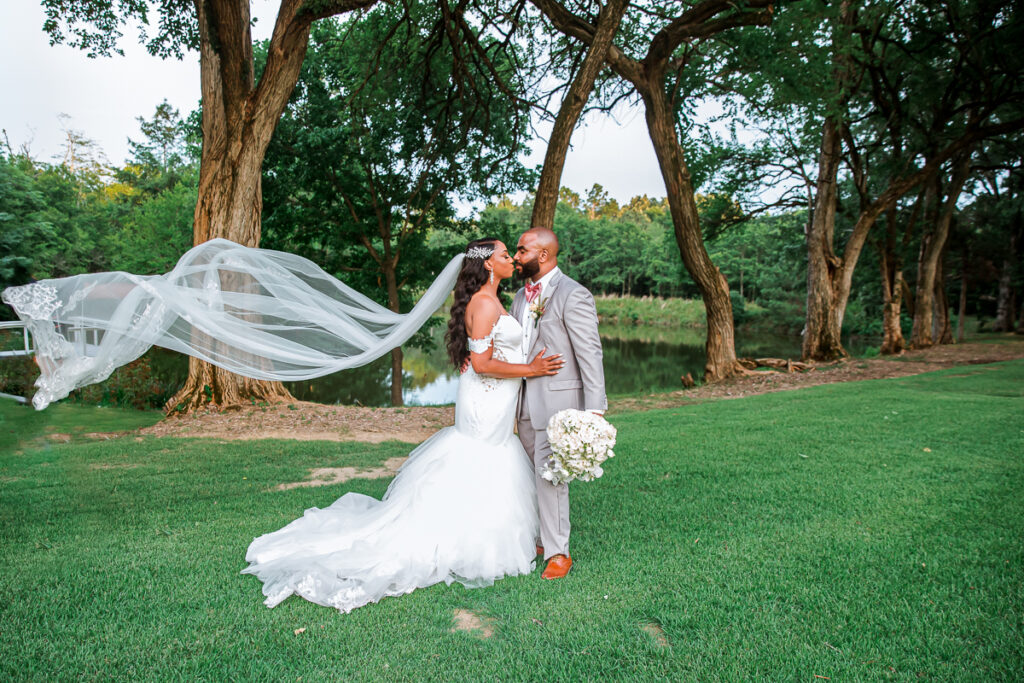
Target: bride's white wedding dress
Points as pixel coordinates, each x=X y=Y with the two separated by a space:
x=462 y=508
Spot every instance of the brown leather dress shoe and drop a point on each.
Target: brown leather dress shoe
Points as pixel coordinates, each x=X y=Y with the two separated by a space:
x=558 y=567
x=540 y=550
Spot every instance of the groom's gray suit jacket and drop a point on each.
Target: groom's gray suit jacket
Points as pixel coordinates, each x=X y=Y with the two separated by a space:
x=568 y=327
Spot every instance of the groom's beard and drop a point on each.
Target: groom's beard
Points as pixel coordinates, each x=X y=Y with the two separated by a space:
x=527 y=270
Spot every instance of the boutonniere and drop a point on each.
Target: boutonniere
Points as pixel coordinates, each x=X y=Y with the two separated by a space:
x=537 y=309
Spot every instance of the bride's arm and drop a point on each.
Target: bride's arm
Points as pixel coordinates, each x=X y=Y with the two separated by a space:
x=481 y=317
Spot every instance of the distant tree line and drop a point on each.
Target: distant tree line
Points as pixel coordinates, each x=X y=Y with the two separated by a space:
x=64 y=218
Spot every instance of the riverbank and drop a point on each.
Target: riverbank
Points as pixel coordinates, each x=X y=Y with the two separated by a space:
x=313 y=421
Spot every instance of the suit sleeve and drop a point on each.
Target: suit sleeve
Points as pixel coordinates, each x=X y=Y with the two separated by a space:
x=580 y=317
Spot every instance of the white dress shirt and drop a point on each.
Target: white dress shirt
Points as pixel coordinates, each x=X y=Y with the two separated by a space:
x=526 y=319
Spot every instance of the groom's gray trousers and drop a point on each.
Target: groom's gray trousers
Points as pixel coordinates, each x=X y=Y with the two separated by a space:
x=552 y=501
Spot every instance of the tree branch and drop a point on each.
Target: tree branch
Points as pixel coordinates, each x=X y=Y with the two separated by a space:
x=697 y=22
x=571 y=25
x=311 y=10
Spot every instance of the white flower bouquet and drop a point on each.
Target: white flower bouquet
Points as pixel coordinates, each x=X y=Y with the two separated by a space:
x=580 y=442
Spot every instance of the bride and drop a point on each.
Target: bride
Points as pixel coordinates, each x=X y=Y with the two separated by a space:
x=463 y=506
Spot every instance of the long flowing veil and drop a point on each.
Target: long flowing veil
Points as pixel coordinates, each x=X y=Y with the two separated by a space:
x=256 y=312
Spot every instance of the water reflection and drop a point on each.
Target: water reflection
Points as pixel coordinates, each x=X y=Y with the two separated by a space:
x=636 y=359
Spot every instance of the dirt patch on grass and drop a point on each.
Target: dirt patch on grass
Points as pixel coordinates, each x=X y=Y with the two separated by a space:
x=472 y=623
x=325 y=476
x=105 y=436
x=655 y=631
x=305 y=421
x=112 y=466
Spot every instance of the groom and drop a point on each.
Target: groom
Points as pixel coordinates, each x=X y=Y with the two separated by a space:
x=557 y=313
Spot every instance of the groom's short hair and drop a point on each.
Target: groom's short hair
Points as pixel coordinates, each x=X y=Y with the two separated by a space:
x=547 y=238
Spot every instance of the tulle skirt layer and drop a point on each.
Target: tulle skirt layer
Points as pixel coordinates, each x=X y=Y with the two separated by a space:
x=460 y=509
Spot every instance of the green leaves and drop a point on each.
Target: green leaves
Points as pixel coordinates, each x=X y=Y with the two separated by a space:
x=389 y=125
x=96 y=26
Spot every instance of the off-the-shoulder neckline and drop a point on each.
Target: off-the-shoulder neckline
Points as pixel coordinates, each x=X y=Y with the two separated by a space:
x=491 y=333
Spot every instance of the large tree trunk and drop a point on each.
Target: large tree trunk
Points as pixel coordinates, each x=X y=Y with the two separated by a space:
x=822 y=330
x=893 y=282
x=841 y=270
x=840 y=278
x=823 y=323
x=908 y=297
x=546 y=200
x=714 y=290
x=827 y=323
x=391 y=281
x=962 y=312
x=892 y=304
x=933 y=245
x=1005 y=300
x=239 y=118
x=1005 y=308
x=933 y=214
x=943 y=329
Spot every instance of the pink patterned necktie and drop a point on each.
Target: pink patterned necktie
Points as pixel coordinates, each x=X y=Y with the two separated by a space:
x=532 y=292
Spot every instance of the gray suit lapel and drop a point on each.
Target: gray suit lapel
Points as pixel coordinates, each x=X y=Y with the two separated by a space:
x=546 y=297
x=517 y=304
x=534 y=333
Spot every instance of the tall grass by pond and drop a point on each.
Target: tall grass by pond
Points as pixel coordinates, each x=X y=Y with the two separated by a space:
x=659 y=312
x=633 y=310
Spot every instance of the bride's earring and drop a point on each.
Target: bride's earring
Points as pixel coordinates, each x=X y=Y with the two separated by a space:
x=492 y=277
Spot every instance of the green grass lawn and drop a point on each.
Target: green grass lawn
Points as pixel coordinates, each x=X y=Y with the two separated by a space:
x=859 y=531
x=23 y=427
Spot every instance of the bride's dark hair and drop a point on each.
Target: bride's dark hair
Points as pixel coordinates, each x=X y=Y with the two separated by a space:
x=471 y=278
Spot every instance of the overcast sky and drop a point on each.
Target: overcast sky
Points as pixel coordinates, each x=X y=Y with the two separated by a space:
x=103 y=97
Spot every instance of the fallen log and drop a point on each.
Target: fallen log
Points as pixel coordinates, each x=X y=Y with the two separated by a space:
x=781 y=364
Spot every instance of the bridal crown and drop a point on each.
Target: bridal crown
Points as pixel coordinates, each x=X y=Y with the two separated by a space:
x=480 y=252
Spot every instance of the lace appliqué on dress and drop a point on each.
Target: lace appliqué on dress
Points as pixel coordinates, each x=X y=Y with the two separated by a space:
x=480 y=346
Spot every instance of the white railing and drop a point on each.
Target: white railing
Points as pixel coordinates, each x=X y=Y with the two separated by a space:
x=14 y=325
x=26 y=351
x=85 y=339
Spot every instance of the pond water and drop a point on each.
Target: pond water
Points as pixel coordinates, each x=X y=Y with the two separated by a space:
x=636 y=359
